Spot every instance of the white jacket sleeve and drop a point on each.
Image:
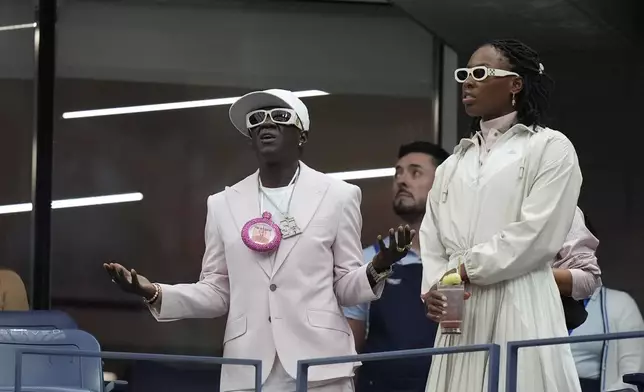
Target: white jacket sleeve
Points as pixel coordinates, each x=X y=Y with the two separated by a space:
x=432 y=251
x=350 y=282
x=210 y=296
x=541 y=228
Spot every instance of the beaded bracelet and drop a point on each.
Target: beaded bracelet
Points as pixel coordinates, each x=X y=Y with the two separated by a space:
x=155 y=296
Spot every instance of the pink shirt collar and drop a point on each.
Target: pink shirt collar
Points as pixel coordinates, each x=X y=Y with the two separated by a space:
x=499 y=124
x=492 y=130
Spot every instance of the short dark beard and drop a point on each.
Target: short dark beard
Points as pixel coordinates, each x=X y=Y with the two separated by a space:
x=410 y=215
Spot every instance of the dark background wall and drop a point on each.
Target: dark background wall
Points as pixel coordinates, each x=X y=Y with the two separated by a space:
x=598 y=105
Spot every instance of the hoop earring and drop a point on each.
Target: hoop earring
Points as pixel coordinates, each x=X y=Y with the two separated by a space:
x=514 y=101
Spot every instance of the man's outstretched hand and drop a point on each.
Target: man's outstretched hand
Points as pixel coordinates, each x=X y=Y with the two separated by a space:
x=130 y=281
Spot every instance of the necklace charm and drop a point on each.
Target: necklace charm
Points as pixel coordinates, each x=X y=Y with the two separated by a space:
x=289 y=227
x=261 y=234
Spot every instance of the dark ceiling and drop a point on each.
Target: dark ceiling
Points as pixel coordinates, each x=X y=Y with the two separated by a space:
x=552 y=25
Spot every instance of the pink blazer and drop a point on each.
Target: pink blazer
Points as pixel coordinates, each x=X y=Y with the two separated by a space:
x=295 y=309
x=578 y=256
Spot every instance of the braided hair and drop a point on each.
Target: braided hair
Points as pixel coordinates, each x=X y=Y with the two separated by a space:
x=533 y=99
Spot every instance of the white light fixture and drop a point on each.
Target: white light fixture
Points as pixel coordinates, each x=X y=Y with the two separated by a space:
x=80 y=202
x=364 y=174
x=18 y=26
x=172 y=106
x=132 y=197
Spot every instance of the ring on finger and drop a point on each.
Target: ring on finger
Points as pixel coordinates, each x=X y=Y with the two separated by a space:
x=400 y=250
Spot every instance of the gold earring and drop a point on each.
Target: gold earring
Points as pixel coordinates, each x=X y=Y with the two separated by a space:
x=514 y=101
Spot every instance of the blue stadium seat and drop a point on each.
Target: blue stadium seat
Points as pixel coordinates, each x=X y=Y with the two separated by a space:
x=47 y=320
x=37 y=319
x=50 y=373
x=636 y=379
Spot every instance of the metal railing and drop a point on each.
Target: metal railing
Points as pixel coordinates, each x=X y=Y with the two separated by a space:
x=513 y=350
x=256 y=363
x=304 y=365
x=493 y=349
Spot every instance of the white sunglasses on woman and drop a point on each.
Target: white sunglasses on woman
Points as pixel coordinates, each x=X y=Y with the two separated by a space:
x=278 y=116
x=480 y=73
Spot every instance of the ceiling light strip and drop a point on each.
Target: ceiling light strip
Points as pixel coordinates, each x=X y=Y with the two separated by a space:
x=133 y=197
x=18 y=26
x=79 y=202
x=172 y=106
x=364 y=174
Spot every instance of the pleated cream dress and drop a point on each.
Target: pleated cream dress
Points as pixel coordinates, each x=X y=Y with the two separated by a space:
x=505 y=213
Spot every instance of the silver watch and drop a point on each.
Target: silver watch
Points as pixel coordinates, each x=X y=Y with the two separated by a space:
x=378 y=276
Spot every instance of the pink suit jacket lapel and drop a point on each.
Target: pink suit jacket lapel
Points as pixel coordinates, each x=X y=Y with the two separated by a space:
x=243 y=202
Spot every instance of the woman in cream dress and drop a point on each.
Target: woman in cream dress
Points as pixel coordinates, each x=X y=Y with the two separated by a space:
x=499 y=212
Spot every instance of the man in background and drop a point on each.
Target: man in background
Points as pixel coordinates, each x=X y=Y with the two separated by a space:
x=397 y=321
x=602 y=365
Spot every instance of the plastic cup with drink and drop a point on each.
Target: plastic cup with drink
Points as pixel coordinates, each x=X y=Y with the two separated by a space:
x=452 y=287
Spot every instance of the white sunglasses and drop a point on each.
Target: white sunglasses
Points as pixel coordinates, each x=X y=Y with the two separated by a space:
x=480 y=73
x=278 y=116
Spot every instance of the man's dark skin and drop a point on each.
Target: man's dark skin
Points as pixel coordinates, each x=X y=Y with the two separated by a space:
x=278 y=149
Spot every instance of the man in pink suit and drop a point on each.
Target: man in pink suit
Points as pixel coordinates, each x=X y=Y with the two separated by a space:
x=283 y=254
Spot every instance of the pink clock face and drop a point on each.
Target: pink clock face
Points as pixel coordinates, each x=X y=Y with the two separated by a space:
x=261 y=234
